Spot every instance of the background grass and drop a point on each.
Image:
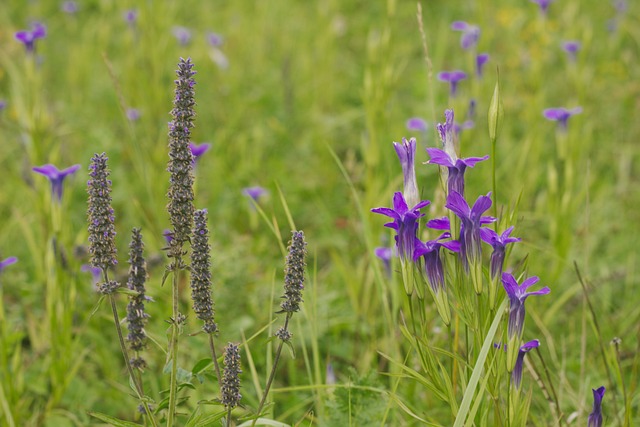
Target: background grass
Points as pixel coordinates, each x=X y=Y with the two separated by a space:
x=306 y=79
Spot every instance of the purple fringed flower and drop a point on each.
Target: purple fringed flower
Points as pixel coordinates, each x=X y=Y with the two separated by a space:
x=470 y=33
x=417 y=124
x=481 y=60
x=405 y=222
x=254 y=193
x=384 y=254
x=452 y=77
x=516 y=375
x=561 y=115
x=430 y=251
x=7 y=262
x=471 y=221
x=214 y=39
x=28 y=38
x=499 y=243
x=595 y=417
x=571 y=47
x=133 y=114
x=543 y=4
x=517 y=296
x=56 y=177
x=406 y=153
x=182 y=34
x=456 y=167
x=199 y=149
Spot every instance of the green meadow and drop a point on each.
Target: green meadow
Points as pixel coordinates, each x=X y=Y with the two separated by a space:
x=304 y=99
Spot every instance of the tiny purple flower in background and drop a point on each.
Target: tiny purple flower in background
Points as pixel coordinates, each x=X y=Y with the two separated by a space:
x=384 y=254
x=456 y=167
x=471 y=220
x=28 y=38
x=499 y=243
x=168 y=236
x=96 y=273
x=516 y=375
x=131 y=16
x=405 y=222
x=561 y=115
x=254 y=193
x=471 y=112
x=69 y=7
x=3 y=104
x=543 y=4
x=571 y=47
x=417 y=124
x=481 y=60
x=595 y=417
x=199 y=149
x=133 y=114
x=452 y=77
x=447 y=133
x=620 y=6
x=430 y=251
x=214 y=39
x=56 y=177
x=467 y=124
x=407 y=153
x=183 y=35
x=517 y=296
x=470 y=33
x=7 y=262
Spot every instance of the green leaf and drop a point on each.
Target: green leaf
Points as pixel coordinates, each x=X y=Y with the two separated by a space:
x=496 y=112
x=113 y=421
x=200 y=365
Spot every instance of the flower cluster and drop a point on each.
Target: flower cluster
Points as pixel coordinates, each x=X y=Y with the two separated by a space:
x=136 y=315
x=294 y=273
x=102 y=231
x=201 y=273
x=230 y=389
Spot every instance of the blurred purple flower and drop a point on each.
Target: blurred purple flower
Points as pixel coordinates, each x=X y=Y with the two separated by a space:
x=182 y=34
x=561 y=115
x=28 y=38
x=168 y=236
x=69 y=7
x=517 y=296
x=131 y=16
x=430 y=251
x=199 y=149
x=214 y=39
x=595 y=417
x=481 y=60
x=417 y=124
x=571 y=47
x=456 y=167
x=471 y=220
x=405 y=222
x=543 y=4
x=384 y=254
x=56 y=177
x=133 y=114
x=96 y=273
x=499 y=243
x=470 y=33
x=620 y=6
x=471 y=112
x=452 y=77
x=447 y=133
x=516 y=375
x=7 y=262
x=3 y=104
x=406 y=153
x=254 y=193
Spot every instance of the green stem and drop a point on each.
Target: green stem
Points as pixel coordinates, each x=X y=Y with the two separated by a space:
x=173 y=347
x=215 y=359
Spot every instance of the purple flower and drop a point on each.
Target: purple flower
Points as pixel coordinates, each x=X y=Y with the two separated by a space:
x=183 y=35
x=405 y=222
x=595 y=417
x=430 y=251
x=417 y=124
x=620 y=6
x=499 y=243
x=447 y=134
x=199 y=149
x=571 y=47
x=516 y=375
x=561 y=115
x=3 y=104
x=69 y=7
x=407 y=153
x=168 y=236
x=543 y=4
x=131 y=16
x=517 y=296
x=56 y=177
x=481 y=60
x=133 y=114
x=254 y=193
x=470 y=33
x=384 y=254
x=452 y=77
x=471 y=220
x=96 y=273
x=7 y=262
x=456 y=167
x=28 y=38
x=214 y=39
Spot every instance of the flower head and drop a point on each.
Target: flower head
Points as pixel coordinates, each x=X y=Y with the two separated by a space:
x=453 y=78
x=517 y=296
x=447 y=133
x=516 y=375
x=417 y=124
x=543 y=4
x=214 y=39
x=499 y=243
x=595 y=417
x=561 y=115
x=230 y=385
x=405 y=222
x=481 y=60
x=28 y=38
x=182 y=34
x=102 y=231
x=201 y=272
x=430 y=252
x=7 y=262
x=131 y=16
x=254 y=193
x=70 y=7
x=199 y=149
x=470 y=33
x=384 y=254
x=56 y=177
x=571 y=47
x=136 y=315
x=294 y=273
x=406 y=153
x=457 y=167
x=133 y=114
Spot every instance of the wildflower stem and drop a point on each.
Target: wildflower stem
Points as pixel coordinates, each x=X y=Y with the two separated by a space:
x=173 y=345
x=215 y=359
x=553 y=390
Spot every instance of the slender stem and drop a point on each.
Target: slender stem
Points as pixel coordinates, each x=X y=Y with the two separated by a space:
x=229 y=416
x=556 y=402
x=173 y=347
x=215 y=359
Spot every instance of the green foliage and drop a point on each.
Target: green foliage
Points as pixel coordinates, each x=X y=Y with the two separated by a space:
x=360 y=402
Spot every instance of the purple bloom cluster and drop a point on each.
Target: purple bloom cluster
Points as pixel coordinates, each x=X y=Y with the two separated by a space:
x=7 y=262
x=28 y=38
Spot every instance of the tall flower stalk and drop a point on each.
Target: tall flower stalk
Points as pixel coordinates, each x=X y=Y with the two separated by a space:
x=294 y=277
x=180 y=207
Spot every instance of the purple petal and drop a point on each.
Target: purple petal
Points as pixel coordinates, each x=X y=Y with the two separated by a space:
x=7 y=262
x=482 y=204
x=439 y=157
x=458 y=205
x=383 y=253
x=510 y=284
x=471 y=161
x=386 y=211
x=439 y=223
x=24 y=36
x=543 y=291
x=488 y=235
x=452 y=245
x=399 y=204
x=39 y=30
x=459 y=26
x=70 y=170
x=48 y=170
x=529 y=282
x=416 y=124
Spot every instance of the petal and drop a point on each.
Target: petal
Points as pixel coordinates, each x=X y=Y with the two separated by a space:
x=554 y=113
x=399 y=204
x=487 y=220
x=439 y=223
x=24 y=36
x=48 y=170
x=529 y=282
x=8 y=261
x=70 y=170
x=471 y=161
x=420 y=205
x=386 y=211
x=458 y=205
x=459 y=26
x=439 y=157
x=482 y=204
x=510 y=284
x=452 y=245
x=543 y=291
x=528 y=346
x=488 y=235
